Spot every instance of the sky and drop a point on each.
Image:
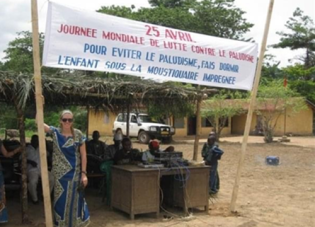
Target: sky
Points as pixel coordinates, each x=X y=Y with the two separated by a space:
x=16 y=17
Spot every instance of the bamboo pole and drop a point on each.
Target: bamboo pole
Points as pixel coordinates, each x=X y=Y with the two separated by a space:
x=20 y=113
x=87 y=122
x=128 y=118
x=198 y=129
x=251 y=108
x=40 y=116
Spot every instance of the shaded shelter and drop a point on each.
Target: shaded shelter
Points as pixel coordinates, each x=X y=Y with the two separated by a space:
x=76 y=89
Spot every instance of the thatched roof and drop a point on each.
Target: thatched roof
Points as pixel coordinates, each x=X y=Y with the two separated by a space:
x=75 y=89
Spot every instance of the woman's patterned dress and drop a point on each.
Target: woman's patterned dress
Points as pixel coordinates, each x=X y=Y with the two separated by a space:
x=70 y=208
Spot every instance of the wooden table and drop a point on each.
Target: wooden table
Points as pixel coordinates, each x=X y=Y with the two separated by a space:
x=136 y=190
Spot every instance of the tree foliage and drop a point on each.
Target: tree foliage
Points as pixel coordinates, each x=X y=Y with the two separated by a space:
x=299 y=72
x=168 y=3
x=272 y=101
x=271 y=69
x=19 y=54
x=210 y=17
x=301 y=36
x=219 y=109
x=304 y=88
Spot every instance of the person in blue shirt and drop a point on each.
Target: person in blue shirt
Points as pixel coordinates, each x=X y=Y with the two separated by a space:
x=211 y=154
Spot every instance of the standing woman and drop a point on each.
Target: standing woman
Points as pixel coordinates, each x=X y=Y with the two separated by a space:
x=69 y=170
x=3 y=209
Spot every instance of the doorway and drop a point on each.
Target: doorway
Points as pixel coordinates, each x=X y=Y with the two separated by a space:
x=191 y=126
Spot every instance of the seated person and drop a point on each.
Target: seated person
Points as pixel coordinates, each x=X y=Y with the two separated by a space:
x=33 y=169
x=95 y=146
x=149 y=155
x=118 y=136
x=154 y=147
x=127 y=155
x=111 y=150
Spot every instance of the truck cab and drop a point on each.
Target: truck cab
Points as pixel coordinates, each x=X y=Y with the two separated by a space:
x=143 y=127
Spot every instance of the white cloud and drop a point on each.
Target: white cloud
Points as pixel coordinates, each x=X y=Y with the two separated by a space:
x=16 y=17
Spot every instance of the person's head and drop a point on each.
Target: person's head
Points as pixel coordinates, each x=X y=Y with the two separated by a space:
x=212 y=133
x=154 y=145
x=126 y=144
x=66 y=119
x=34 y=141
x=118 y=136
x=96 y=135
x=211 y=140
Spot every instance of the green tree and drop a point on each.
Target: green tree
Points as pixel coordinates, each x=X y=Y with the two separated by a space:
x=8 y=117
x=167 y=3
x=19 y=54
x=210 y=17
x=301 y=36
x=299 y=72
x=219 y=109
x=271 y=69
x=301 y=80
x=272 y=101
x=304 y=88
x=1 y=66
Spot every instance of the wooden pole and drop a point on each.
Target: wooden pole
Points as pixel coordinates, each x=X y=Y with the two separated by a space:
x=20 y=113
x=40 y=116
x=128 y=118
x=251 y=108
x=87 y=122
x=198 y=129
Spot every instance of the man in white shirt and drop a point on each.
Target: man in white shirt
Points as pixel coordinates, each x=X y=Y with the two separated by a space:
x=33 y=169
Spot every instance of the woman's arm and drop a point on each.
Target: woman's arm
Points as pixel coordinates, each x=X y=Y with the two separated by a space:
x=84 y=178
x=10 y=154
x=46 y=127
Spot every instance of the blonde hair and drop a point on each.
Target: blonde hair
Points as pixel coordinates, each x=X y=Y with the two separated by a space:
x=71 y=128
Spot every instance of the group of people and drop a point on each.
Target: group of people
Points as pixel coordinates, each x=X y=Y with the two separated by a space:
x=68 y=175
x=121 y=151
x=69 y=167
x=100 y=149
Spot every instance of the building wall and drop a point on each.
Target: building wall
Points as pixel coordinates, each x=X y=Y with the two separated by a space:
x=238 y=124
x=102 y=122
x=300 y=123
x=183 y=131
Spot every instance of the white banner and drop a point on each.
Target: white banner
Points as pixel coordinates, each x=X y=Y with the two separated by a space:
x=76 y=39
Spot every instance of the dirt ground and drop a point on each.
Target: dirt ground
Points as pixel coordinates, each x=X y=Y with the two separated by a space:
x=269 y=196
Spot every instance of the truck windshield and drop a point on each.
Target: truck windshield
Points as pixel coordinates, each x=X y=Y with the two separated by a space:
x=147 y=119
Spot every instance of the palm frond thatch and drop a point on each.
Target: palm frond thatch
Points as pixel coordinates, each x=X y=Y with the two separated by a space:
x=76 y=89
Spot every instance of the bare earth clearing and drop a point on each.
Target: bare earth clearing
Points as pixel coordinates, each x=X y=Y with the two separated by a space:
x=269 y=196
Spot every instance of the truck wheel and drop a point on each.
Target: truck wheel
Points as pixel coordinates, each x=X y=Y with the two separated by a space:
x=143 y=137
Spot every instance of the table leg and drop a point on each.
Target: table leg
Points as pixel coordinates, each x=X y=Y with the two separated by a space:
x=132 y=216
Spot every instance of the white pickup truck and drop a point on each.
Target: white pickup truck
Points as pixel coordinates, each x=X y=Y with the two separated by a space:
x=143 y=127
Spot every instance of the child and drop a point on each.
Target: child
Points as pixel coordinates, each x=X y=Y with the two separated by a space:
x=211 y=154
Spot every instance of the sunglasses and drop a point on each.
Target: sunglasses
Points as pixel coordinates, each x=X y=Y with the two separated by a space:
x=70 y=120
